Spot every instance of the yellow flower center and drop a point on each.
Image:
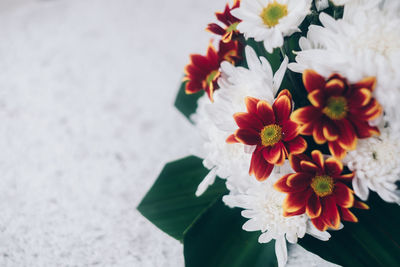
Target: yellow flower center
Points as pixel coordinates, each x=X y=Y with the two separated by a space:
x=322 y=185
x=271 y=135
x=232 y=27
x=336 y=107
x=273 y=13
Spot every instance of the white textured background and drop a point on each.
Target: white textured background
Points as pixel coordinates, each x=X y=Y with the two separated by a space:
x=86 y=124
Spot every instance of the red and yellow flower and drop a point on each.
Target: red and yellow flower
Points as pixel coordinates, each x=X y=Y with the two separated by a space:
x=203 y=72
x=339 y=112
x=229 y=32
x=270 y=129
x=318 y=188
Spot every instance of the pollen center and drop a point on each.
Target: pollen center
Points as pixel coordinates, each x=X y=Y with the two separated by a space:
x=322 y=185
x=272 y=13
x=336 y=107
x=271 y=135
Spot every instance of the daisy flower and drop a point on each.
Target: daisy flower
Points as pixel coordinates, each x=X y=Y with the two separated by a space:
x=376 y=163
x=270 y=129
x=339 y=112
x=229 y=32
x=318 y=188
x=263 y=207
x=271 y=20
x=365 y=43
x=215 y=122
x=203 y=72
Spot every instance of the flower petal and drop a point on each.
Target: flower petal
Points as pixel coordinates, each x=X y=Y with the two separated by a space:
x=336 y=150
x=347 y=135
x=343 y=195
x=290 y=130
x=299 y=180
x=265 y=112
x=251 y=104
x=295 y=161
x=231 y=139
x=319 y=223
x=333 y=167
x=345 y=177
x=335 y=86
x=347 y=215
x=309 y=166
x=369 y=82
x=318 y=158
x=295 y=201
x=248 y=136
x=316 y=98
x=259 y=167
x=305 y=115
x=282 y=108
x=248 y=121
x=297 y=145
x=272 y=154
x=313 y=80
x=360 y=97
x=318 y=134
x=329 y=131
x=313 y=208
x=330 y=213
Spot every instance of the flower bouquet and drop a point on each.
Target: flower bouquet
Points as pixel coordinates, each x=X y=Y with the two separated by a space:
x=298 y=106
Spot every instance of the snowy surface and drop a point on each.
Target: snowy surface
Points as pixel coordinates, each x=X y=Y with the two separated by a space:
x=87 y=123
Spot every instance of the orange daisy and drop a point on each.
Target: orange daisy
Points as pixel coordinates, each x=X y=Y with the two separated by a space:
x=270 y=129
x=203 y=72
x=339 y=112
x=318 y=188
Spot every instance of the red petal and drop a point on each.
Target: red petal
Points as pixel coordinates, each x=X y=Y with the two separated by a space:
x=316 y=98
x=259 y=167
x=333 y=167
x=193 y=87
x=248 y=136
x=313 y=80
x=281 y=185
x=313 y=208
x=286 y=93
x=295 y=201
x=251 y=104
x=347 y=135
x=318 y=158
x=360 y=97
x=295 y=161
x=345 y=177
x=272 y=153
x=305 y=115
x=265 y=113
x=295 y=213
x=369 y=83
x=290 y=130
x=307 y=129
x=248 y=121
x=319 y=224
x=330 y=212
x=343 y=195
x=299 y=180
x=335 y=87
x=329 y=131
x=318 y=134
x=336 y=150
x=360 y=205
x=215 y=28
x=347 y=215
x=297 y=145
x=282 y=108
x=231 y=139
x=309 y=167
x=363 y=129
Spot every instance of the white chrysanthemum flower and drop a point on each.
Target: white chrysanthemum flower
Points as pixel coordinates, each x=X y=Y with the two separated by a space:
x=321 y=4
x=366 y=42
x=262 y=205
x=376 y=162
x=271 y=20
x=215 y=120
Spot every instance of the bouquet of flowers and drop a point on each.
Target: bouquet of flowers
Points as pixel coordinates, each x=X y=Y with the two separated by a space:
x=298 y=105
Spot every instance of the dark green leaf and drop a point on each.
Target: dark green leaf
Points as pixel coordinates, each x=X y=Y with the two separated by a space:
x=217 y=239
x=374 y=241
x=187 y=104
x=171 y=203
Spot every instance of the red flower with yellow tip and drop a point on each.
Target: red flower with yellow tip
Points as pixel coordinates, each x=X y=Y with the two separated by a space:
x=339 y=111
x=203 y=72
x=229 y=32
x=270 y=129
x=318 y=189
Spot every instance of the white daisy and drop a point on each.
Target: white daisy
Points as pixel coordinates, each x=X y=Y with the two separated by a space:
x=215 y=122
x=262 y=205
x=366 y=42
x=271 y=20
x=376 y=162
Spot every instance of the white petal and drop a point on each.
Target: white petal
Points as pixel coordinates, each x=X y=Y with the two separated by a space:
x=207 y=181
x=279 y=74
x=265 y=237
x=360 y=188
x=281 y=251
x=311 y=230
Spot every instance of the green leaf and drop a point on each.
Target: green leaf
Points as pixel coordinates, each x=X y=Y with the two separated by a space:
x=217 y=239
x=171 y=203
x=187 y=104
x=373 y=241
